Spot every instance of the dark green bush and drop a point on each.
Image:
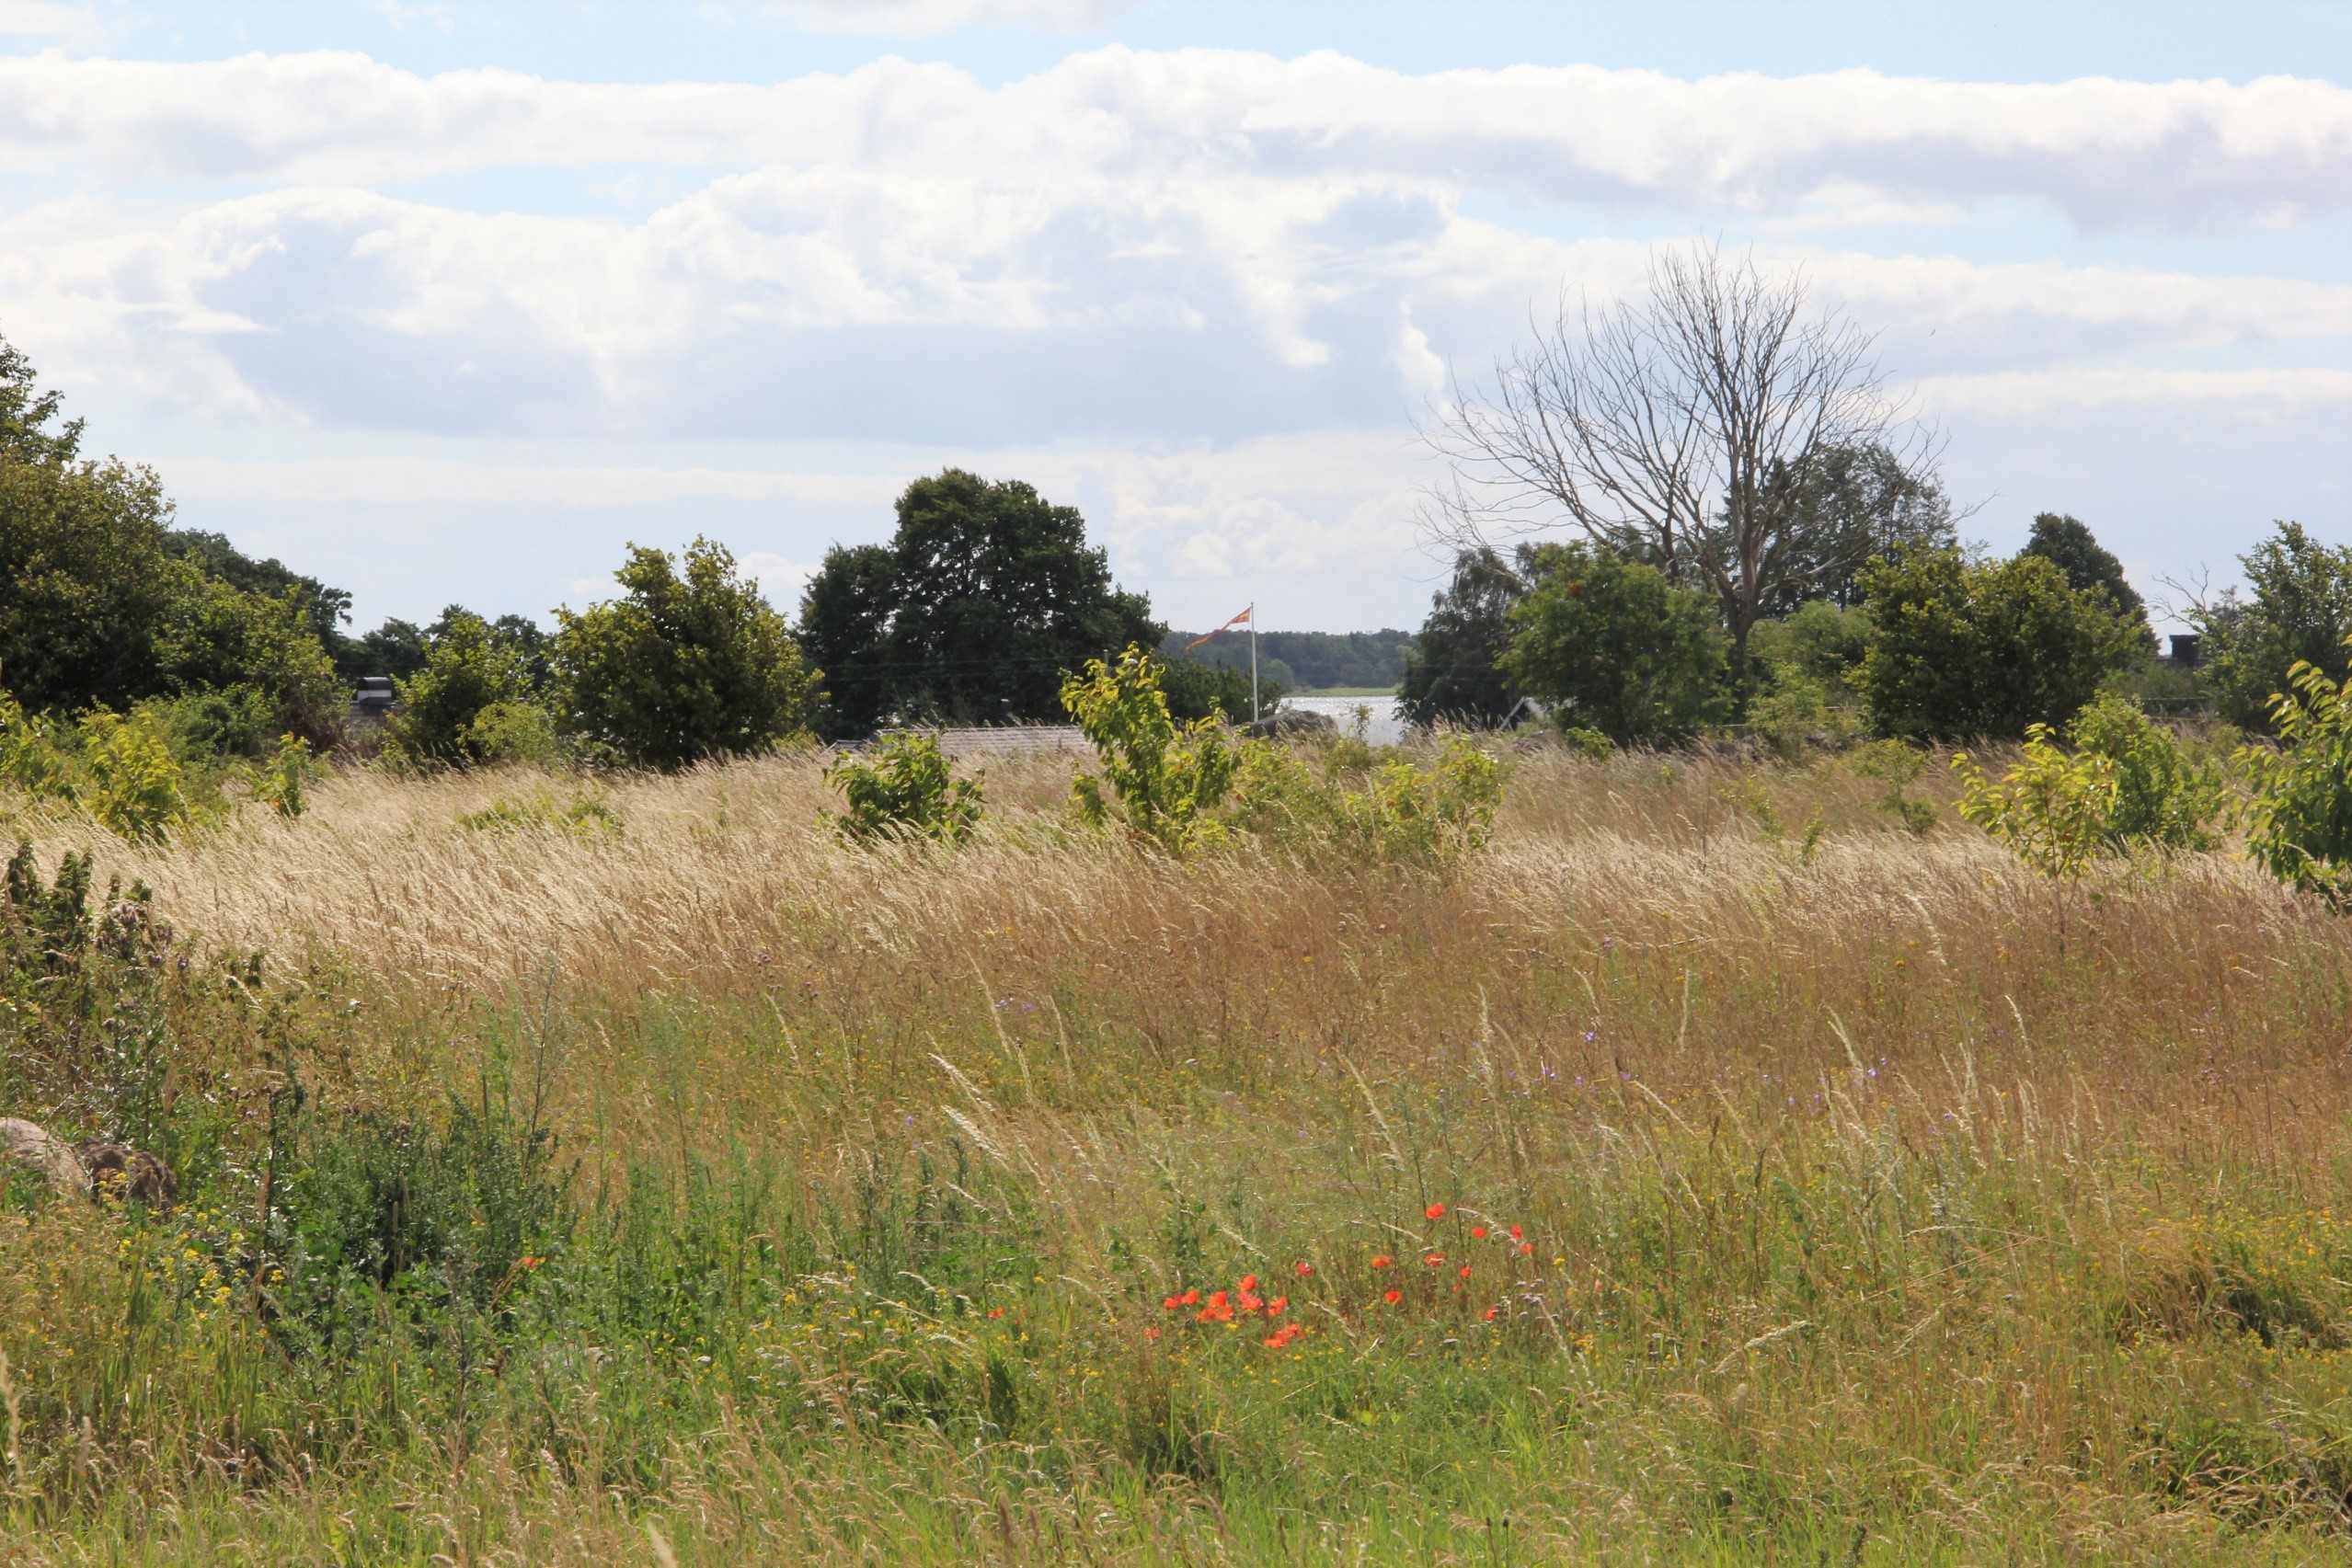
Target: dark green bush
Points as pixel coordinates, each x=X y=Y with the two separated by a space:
x=1965 y=648
x=1616 y=645
x=685 y=665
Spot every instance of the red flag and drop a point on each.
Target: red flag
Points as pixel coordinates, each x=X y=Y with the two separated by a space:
x=1226 y=627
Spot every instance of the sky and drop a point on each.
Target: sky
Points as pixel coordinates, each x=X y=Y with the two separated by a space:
x=445 y=301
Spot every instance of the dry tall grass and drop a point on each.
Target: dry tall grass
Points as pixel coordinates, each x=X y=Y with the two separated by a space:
x=1664 y=981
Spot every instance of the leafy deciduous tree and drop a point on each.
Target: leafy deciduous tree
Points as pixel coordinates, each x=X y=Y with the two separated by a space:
x=1451 y=673
x=1627 y=652
x=2299 y=611
x=2067 y=542
x=1166 y=780
x=684 y=666
x=2299 y=814
x=1984 y=648
x=986 y=597
x=455 y=711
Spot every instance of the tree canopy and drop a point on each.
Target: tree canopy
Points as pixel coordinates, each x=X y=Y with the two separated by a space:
x=1451 y=675
x=684 y=666
x=1621 y=648
x=985 y=598
x=2067 y=544
x=1720 y=429
x=2301 y=608
x=1970 y=649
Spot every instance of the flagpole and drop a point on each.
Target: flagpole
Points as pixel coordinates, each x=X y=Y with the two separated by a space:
x=1253 y=662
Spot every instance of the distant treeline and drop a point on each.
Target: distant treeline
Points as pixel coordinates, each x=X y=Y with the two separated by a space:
x=1311 y=661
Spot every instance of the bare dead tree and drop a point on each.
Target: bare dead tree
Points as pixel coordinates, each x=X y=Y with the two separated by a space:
x=1686 y=430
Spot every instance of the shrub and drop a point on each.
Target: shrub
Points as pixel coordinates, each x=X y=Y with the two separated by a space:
x=1427 y=814
x=1796 y=710
x=1801 y=665
x=2127 y=784
x=1896 y=764
x=219 y=722
x=1194 y=690
x=1984 y=648
x=2163 y=797
x=1589 y=744
x=517 y=730
x=462 y=707
x=136 y=788
x=119 y=770
x=279 y=783
x=1406 y=812
x=905 y=788
x=215 y=634
x=2051 y=809
x=685 y=666
x=582 y=817
x=1167 y=780
x=1621 y=648
x=2299 y=813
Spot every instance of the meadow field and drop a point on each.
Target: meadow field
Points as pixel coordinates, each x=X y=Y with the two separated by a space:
x=1707 y=1170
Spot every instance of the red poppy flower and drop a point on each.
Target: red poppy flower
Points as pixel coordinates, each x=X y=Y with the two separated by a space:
x=996 y=1311
x=1478 y=1231
x=1465 y=1271
x=1434 y=1259
x=1151 y=1333
x=1435 y=1211
x=1381 y=1260
x=1189 y=1299
x=1173 y=1302
x=1303 y=1270
x=1491 y=1313
x=1274 y=1308
x=1525 y=1248
x=1250 y=1302
x=1393 y=1297
x=1517 y=1233
x=1248 y=1283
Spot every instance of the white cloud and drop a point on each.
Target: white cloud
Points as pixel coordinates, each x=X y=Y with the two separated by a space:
x=902 y=18
x=780 y=580
x=2256 y=394
x=409 y=481
x=1197 y=293
x=830 y=305
x=2177 y=154
x=50 y=19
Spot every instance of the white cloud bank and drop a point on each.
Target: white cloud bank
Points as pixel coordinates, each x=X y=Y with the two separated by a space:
x=2175 y=154
x=1200 y=291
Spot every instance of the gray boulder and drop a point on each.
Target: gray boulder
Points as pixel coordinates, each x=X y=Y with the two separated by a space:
x=27 y=1144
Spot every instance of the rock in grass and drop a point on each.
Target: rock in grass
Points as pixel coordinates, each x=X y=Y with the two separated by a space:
x=30 y=1146
x=94 y=1168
